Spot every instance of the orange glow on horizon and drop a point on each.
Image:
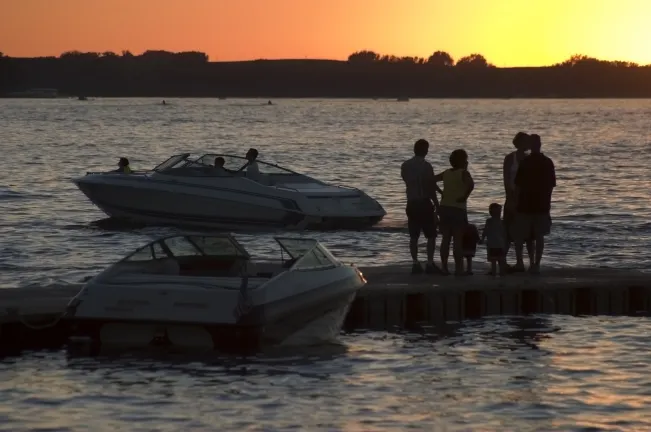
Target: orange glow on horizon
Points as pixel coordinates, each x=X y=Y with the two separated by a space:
x=506 y=32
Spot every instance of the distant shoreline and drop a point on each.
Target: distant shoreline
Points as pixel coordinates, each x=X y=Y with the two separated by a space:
x=383 y=99
x=190 y=75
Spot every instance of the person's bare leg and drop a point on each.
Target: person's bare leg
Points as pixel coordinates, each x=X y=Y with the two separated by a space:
x=431 y=247
x=540 y=248
x=519 y=245
x=509 y=237
x=469 y=265
x=530 y=252
x=458 y=251
x=445 y=251
x=430 y=267
x=413 y=248
x=502 y=264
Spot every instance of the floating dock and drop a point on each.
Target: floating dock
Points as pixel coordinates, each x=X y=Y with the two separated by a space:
x=31 y=318
x=393 y=298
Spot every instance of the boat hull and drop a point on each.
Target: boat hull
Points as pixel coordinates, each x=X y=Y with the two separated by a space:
x=313 y=323
x=151 y=204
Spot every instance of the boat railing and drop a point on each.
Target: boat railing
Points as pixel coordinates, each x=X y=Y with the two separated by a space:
x=348 y=187
x=284 y=187
x=115 y=172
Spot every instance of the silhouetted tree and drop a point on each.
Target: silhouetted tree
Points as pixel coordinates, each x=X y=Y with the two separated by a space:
x=387 y=58
x=475 y=61
x=624 y=64
x=363 y=57
x=583 y=61
x=410 y=60
x=192 y=57
x=78 y=55
x=440 y=59
x=69 y=54
x=580 y=60
x=190 y=74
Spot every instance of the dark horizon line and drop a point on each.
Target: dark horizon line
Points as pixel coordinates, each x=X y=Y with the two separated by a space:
x=437 y=58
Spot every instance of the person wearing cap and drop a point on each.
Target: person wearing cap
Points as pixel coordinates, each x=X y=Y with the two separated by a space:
x=521 y=142
x=534 y=183
x=123 y=166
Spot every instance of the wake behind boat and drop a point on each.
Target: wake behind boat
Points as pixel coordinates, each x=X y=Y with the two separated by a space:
x=198 y=291
x=188 y=190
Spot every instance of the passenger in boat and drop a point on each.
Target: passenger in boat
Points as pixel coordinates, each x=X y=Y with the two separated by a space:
x=252 y=170
x=123 y=166
x=422 y=205
x=220 y=168
x=509 y=170
x=534 y=182
x=457 y=187
x=494 y=235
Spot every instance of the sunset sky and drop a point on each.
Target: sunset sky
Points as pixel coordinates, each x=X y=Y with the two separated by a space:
x=507 y=32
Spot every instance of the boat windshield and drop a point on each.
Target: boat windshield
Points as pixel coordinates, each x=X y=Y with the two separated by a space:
x=173 y=162
x=189 y=164
x=316 y=258
x=307 y=253
x=296 y=247
x=189 y=245
x=234 y=163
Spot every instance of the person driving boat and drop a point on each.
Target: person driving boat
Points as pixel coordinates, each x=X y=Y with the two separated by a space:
x=252 y=170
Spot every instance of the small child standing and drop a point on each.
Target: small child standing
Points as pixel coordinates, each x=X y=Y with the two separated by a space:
x=496 y=240
x=470 y=241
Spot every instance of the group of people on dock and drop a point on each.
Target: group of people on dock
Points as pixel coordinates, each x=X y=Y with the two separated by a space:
x=529 y=179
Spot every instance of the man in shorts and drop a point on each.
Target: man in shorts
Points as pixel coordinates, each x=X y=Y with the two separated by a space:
x=534 y=181
x=422 y=204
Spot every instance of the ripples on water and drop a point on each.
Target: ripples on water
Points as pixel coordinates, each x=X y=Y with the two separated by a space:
x=522 y=374
x=601 y=149
x=506 y=374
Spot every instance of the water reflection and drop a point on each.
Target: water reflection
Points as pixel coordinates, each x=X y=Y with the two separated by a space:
x=511 y=373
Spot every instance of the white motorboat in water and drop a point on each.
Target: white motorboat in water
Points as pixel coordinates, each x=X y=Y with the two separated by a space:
x=194 y=290
x=188 y=190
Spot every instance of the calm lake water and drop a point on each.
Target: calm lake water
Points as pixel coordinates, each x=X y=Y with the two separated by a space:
x=553 y=373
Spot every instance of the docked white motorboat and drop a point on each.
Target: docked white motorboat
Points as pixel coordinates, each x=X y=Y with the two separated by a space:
x=205 y=291
x=188 y=190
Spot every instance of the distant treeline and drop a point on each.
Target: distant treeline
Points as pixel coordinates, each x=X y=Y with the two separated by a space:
x=365 y=74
